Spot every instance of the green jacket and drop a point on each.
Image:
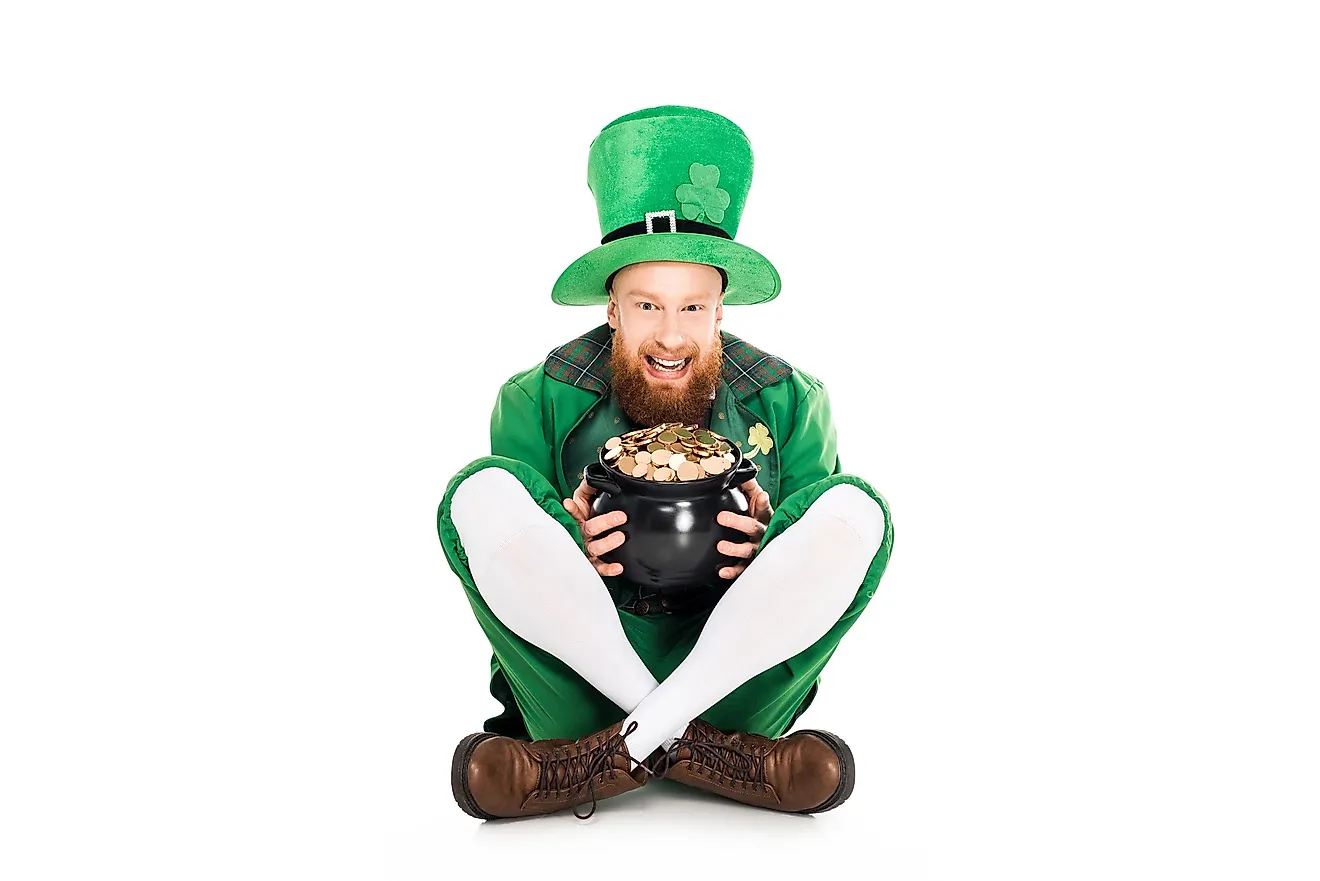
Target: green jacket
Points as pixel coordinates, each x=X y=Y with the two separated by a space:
x=555 y=416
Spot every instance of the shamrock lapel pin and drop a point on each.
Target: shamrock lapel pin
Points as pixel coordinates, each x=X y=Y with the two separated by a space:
x=758 y=437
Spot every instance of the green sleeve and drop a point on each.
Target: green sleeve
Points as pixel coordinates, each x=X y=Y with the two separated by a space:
x=516 y=431
x=810 y=452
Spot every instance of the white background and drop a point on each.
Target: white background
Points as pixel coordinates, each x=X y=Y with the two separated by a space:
x=264 y=266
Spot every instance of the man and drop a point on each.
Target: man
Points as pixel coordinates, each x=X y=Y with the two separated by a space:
x=604 y=683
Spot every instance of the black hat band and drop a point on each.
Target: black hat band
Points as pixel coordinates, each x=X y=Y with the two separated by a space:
x=664 y=221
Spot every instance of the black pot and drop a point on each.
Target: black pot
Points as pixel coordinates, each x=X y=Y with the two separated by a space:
x=671 y=535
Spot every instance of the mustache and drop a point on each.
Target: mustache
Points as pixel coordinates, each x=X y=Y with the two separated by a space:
x=672 y=357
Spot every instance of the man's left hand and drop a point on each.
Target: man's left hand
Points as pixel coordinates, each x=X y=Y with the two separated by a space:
x=754 y=525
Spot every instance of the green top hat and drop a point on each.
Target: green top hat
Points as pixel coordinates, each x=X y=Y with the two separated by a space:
x=670 y=184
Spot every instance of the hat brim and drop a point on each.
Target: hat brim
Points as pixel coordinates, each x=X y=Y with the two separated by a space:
x=752 y=278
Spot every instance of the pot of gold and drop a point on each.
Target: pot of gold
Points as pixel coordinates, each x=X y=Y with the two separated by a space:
x=671 y=481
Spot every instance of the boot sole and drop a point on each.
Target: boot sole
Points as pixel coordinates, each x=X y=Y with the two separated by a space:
x=847 y=771
x=458 y=775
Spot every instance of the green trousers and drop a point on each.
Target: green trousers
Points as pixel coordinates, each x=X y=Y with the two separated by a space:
x=544 y=698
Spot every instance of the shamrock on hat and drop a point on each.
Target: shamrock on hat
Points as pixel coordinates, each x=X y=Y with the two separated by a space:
x=703 y=194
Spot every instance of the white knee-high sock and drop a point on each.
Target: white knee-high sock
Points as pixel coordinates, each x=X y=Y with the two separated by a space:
x=790 y=595
x=541 y=586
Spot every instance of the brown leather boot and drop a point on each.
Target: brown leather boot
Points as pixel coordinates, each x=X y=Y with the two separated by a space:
x=496 y=776
x=805 y=772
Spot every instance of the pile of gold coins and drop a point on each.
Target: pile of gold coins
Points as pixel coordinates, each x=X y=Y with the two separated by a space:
x=670 y=451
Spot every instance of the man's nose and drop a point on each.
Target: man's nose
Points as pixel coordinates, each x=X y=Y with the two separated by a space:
x=671 y=336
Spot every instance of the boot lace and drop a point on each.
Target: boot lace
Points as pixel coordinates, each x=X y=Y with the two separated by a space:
x=581 y=768
x=708 y=748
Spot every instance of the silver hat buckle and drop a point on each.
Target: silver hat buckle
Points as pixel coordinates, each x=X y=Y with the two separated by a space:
x=652 y=215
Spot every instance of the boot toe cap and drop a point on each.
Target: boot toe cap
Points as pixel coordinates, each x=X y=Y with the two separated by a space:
x=489 y=782
x=817 y=773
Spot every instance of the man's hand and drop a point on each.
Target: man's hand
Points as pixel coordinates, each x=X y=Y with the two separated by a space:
x=580 y=507
x=754 y=525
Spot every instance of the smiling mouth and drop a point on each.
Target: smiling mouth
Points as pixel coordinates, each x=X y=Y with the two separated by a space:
x=667 y=368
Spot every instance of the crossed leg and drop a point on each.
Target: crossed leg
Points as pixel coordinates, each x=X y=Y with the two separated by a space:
x=790 y=595
x=540 y=585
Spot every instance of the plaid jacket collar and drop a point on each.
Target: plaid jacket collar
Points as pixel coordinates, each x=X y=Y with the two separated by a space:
x=585 y=363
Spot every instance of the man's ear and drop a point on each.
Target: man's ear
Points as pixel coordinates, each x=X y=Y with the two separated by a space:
x=612 y=312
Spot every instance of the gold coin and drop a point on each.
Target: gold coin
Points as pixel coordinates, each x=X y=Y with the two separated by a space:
x=613 y=453
x=688 y=471
x=676 y=459
x=639 y=470
x=650 y=472
x=643 y=458
x=663 y=474
x=713 y=465
x=668 y=437
x=661 y=457
x=613 y=442
x=627 y=464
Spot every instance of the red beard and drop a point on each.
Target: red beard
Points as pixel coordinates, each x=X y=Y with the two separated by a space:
x=649 y=403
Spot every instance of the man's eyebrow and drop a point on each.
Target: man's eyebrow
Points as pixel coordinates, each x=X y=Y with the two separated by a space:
x=657 y=296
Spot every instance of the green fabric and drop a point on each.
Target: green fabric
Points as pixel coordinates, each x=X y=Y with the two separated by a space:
x=546 y=699
x=690 y=161
x=544 y=430
x=536 y=415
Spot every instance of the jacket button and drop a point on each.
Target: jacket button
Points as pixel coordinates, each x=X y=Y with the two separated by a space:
x=721 y=415
x=616 y=420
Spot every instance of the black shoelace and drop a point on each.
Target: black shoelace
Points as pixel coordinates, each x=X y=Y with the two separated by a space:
x=740 y=763
x=579 y=770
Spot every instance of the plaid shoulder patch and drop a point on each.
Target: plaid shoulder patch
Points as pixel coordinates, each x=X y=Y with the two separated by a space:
x=585 y=362
x=748 y=369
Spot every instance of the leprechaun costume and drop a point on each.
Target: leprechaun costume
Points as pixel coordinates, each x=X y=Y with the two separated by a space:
x=588 y=667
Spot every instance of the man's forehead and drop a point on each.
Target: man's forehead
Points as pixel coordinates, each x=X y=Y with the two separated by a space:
x=689 y=295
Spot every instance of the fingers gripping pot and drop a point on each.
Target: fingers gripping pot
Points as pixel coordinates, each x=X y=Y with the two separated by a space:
x=671 y=536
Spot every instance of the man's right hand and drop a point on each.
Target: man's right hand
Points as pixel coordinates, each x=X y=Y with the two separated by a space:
x=580 y=507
